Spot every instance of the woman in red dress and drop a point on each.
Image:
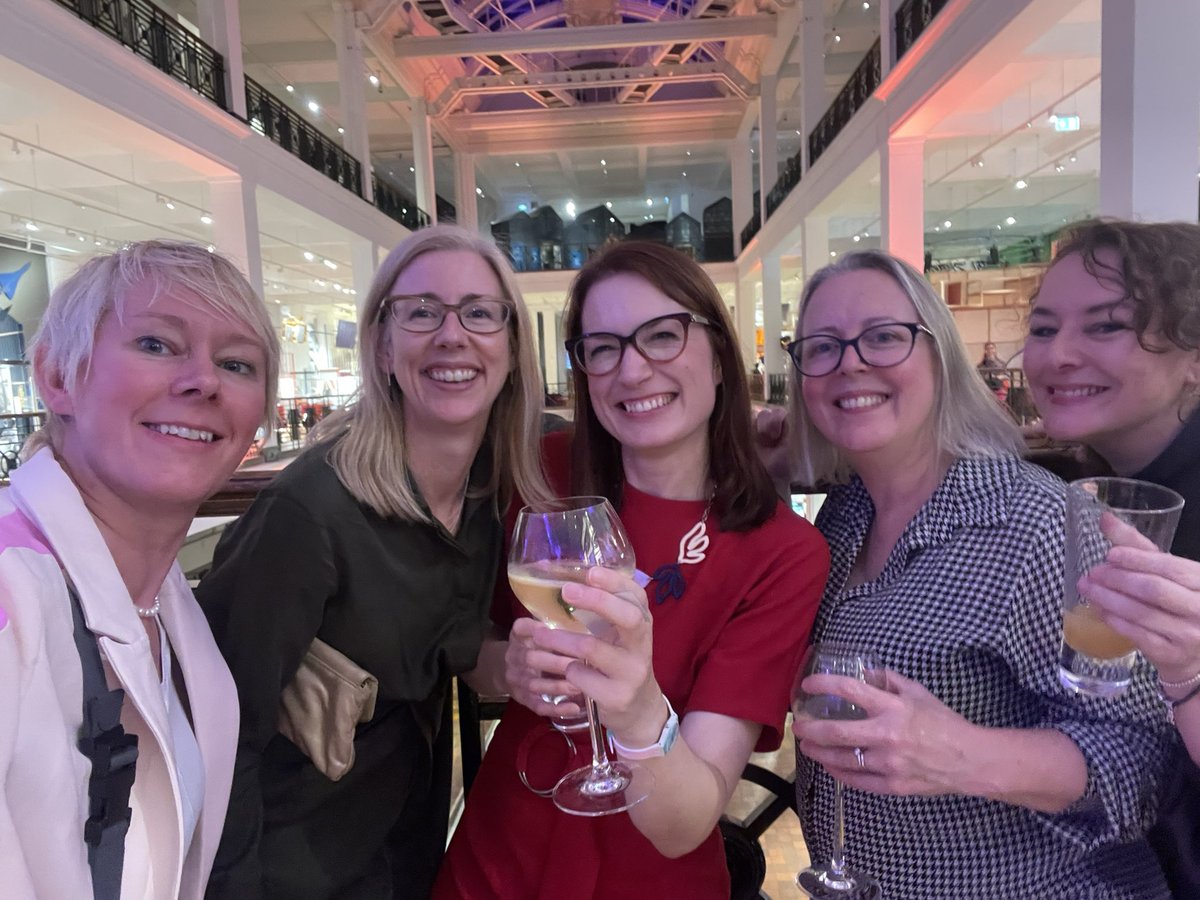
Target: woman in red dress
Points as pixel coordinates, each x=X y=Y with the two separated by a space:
x=698 y=673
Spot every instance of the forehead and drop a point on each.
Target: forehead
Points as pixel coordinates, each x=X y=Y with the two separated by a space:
x=849 y=300
x=449 y=275
x=1068 y=286
x=170 y=302
x=622 y=302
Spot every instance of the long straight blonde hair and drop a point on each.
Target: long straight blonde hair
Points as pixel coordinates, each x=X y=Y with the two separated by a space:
x=366 y=442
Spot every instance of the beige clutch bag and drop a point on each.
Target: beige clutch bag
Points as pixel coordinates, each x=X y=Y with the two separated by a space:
x=320 y=709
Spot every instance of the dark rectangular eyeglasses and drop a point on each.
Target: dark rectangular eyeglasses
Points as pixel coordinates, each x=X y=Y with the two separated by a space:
x=659 y=340
x=422 y=314
x=880 y=346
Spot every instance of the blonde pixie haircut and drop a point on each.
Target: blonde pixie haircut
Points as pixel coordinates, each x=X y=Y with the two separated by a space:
x=66 y=336
x=371 y=460
x=967 y=421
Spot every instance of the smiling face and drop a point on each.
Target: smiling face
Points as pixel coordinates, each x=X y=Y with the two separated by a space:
x=168 y=406
x=1091 y=379
x=862 y=410
x=450 y=377
x=653 y=409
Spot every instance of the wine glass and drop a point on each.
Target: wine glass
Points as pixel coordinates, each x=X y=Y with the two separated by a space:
x=549 y=549
x=834 y=658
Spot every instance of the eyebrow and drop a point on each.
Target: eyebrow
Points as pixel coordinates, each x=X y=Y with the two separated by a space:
x=1108 y=307
x=866 y=323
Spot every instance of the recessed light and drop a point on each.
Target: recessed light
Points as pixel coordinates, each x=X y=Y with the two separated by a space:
x=341 y=130
x=856 y=239
x=374 y=79
x=206 y=219
x=289 y=89
x=308 y=255
x=479 y=191
x=603 y=162
x=608 y=204
x=330 y=264
x=1010 y=221
x=946 y=224
x=314 y=106
x=1021 y=184
x=517 y=164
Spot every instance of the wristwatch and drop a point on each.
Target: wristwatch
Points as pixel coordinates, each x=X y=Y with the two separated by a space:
x=661 y=747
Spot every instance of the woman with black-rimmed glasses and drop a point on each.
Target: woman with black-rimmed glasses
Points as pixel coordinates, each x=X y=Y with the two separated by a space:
x=383 y=540
x=696 y=670
x=976 y=773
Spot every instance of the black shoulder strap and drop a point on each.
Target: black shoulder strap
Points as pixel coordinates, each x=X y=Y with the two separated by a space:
x=113 y=754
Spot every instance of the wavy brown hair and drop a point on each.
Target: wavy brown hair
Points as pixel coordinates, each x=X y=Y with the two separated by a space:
x=1157 y=269
x=743 y=495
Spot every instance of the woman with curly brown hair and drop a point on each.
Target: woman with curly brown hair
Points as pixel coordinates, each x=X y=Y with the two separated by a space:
x=1113 y=360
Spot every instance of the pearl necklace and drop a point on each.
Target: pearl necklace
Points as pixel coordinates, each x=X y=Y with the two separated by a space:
x=149 y=612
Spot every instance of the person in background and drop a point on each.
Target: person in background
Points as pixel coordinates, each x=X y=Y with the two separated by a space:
x=382 y=539
x=156 y=365
x=1113 y=361
x=663 y=428
x=974 y=773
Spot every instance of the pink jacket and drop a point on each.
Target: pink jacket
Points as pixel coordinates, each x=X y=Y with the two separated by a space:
x=45 y=528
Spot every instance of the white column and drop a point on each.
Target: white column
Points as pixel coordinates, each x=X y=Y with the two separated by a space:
x=423 y=158
x=364 y=260
x=816 y=245
x=902 y=199
x=887 y=37
x=772 y=295
x=744 y=322
x=234 y=211
x=743 y=188
x=464 y=191
x=812 y=69
x=221 y=27
x=1149 y=110
x=552 y=349
x=768 y=140
x=352 y=75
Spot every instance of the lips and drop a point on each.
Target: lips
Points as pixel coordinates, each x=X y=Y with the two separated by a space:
x=448 y=375
x=1074 y=392
x=860 y=401
x=182 y=431
x=646 y=404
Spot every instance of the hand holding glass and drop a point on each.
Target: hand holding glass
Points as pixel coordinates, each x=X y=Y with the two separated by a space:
x=833 y=658
x=1094 y=659
x=549 y=549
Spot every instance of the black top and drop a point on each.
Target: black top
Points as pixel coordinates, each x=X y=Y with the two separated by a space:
x=409 y=603
x=1176 y=838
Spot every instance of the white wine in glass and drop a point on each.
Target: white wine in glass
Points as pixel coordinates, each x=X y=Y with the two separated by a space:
x=551 y=548
x=834 y=880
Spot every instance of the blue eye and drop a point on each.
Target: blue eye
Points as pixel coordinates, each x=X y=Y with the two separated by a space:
x=152 y=345
x=239 y=367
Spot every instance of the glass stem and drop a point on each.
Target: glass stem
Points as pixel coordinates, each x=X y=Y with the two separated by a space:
x=596 y=730
x=837 y=864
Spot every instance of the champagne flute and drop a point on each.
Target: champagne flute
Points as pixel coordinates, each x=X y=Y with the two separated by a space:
x=834 y=658
x=549 y=549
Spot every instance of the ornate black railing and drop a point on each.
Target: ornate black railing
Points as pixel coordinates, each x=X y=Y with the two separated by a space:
x=160 y=40
x=850 y=98
x=788 y=179
x=397 y=205
x=271 y=117
x=751 y=228
x=912 y=18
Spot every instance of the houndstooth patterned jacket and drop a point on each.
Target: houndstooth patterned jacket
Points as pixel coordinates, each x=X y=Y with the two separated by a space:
x=968 y=604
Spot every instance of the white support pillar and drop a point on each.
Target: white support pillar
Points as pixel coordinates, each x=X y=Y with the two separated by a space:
x=364 y=260
x=815 y=245
x=352 y=74
x=742 y=186
x=768 y=140
x=235 y=226
x=1149 y=110
x=812 y=71
x=423 y=158
x=887 y=36
x=772 y=296
x=902 y=199
x=221 y=27
x=464 y=191
x=744 y=322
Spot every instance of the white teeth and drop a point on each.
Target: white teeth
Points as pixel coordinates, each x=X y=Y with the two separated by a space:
x=190 y=434
x=453 y=375
x=861 y=402
x=1071 y=393
x=641 y=406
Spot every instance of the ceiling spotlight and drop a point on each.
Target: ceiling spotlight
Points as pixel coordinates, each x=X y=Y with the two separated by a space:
x=1021 y=184
x=978 y=162
x=946 y=224
x=603 y=162
x=313 y=106
x=31 y=226
x=289 y=89
x=479 y=191
x=856 y=239
x=1010 y=221
x=308 y=255
x=212 y=248
x=374 y=79
x=833 y=253
x=341 y=130
x=170 y=204
x=1072 y=158
x=685 y=174
x=837 y=38
x=689 y=152
x=649 y=201
x=1059 y=167
x=330 y=264
x=937 y=227
x=411 y=169
x=866 y=4
x=206 y=219
x=517 y=164
x=608 y=204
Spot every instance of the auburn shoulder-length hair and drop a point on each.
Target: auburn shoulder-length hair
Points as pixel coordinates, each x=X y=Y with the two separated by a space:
x=743 y=494
x=366 y=441
x=967 y=420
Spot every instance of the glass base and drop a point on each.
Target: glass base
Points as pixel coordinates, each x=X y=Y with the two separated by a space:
x=820 y=883
x=611 y=788
x=1094 y=677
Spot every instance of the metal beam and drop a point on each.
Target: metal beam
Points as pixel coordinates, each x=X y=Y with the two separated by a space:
x=586 y=37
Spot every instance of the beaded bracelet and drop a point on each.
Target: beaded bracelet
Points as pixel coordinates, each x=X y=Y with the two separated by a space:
x=1172 y=704
x=1180 y=685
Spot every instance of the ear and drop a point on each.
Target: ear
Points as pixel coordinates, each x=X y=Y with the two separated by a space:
x=51 y=385
x=383 y=352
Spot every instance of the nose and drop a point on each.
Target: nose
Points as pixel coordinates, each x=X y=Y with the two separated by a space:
x=633 y=367
x=199 y=378
x=852 y=360
x=1061 y=352
x=451 y=332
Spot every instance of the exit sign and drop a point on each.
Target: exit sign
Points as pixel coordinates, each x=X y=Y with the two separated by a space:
x=1066 y=123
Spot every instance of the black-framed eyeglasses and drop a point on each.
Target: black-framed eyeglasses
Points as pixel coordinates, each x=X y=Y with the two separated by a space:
x=880 y=346
x=422 y=314
x=659 y=340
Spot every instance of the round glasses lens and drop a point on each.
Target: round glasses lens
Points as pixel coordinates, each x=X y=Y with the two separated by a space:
x=885 y=345
x=484 y=316
x=661 y=339
x=598 y=354
x=418 y=314
x=819 y=354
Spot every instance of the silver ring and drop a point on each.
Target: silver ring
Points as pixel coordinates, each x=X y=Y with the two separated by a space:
x=861 y=757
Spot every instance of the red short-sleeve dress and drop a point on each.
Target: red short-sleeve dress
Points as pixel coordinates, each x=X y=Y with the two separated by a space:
x=730 y=643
